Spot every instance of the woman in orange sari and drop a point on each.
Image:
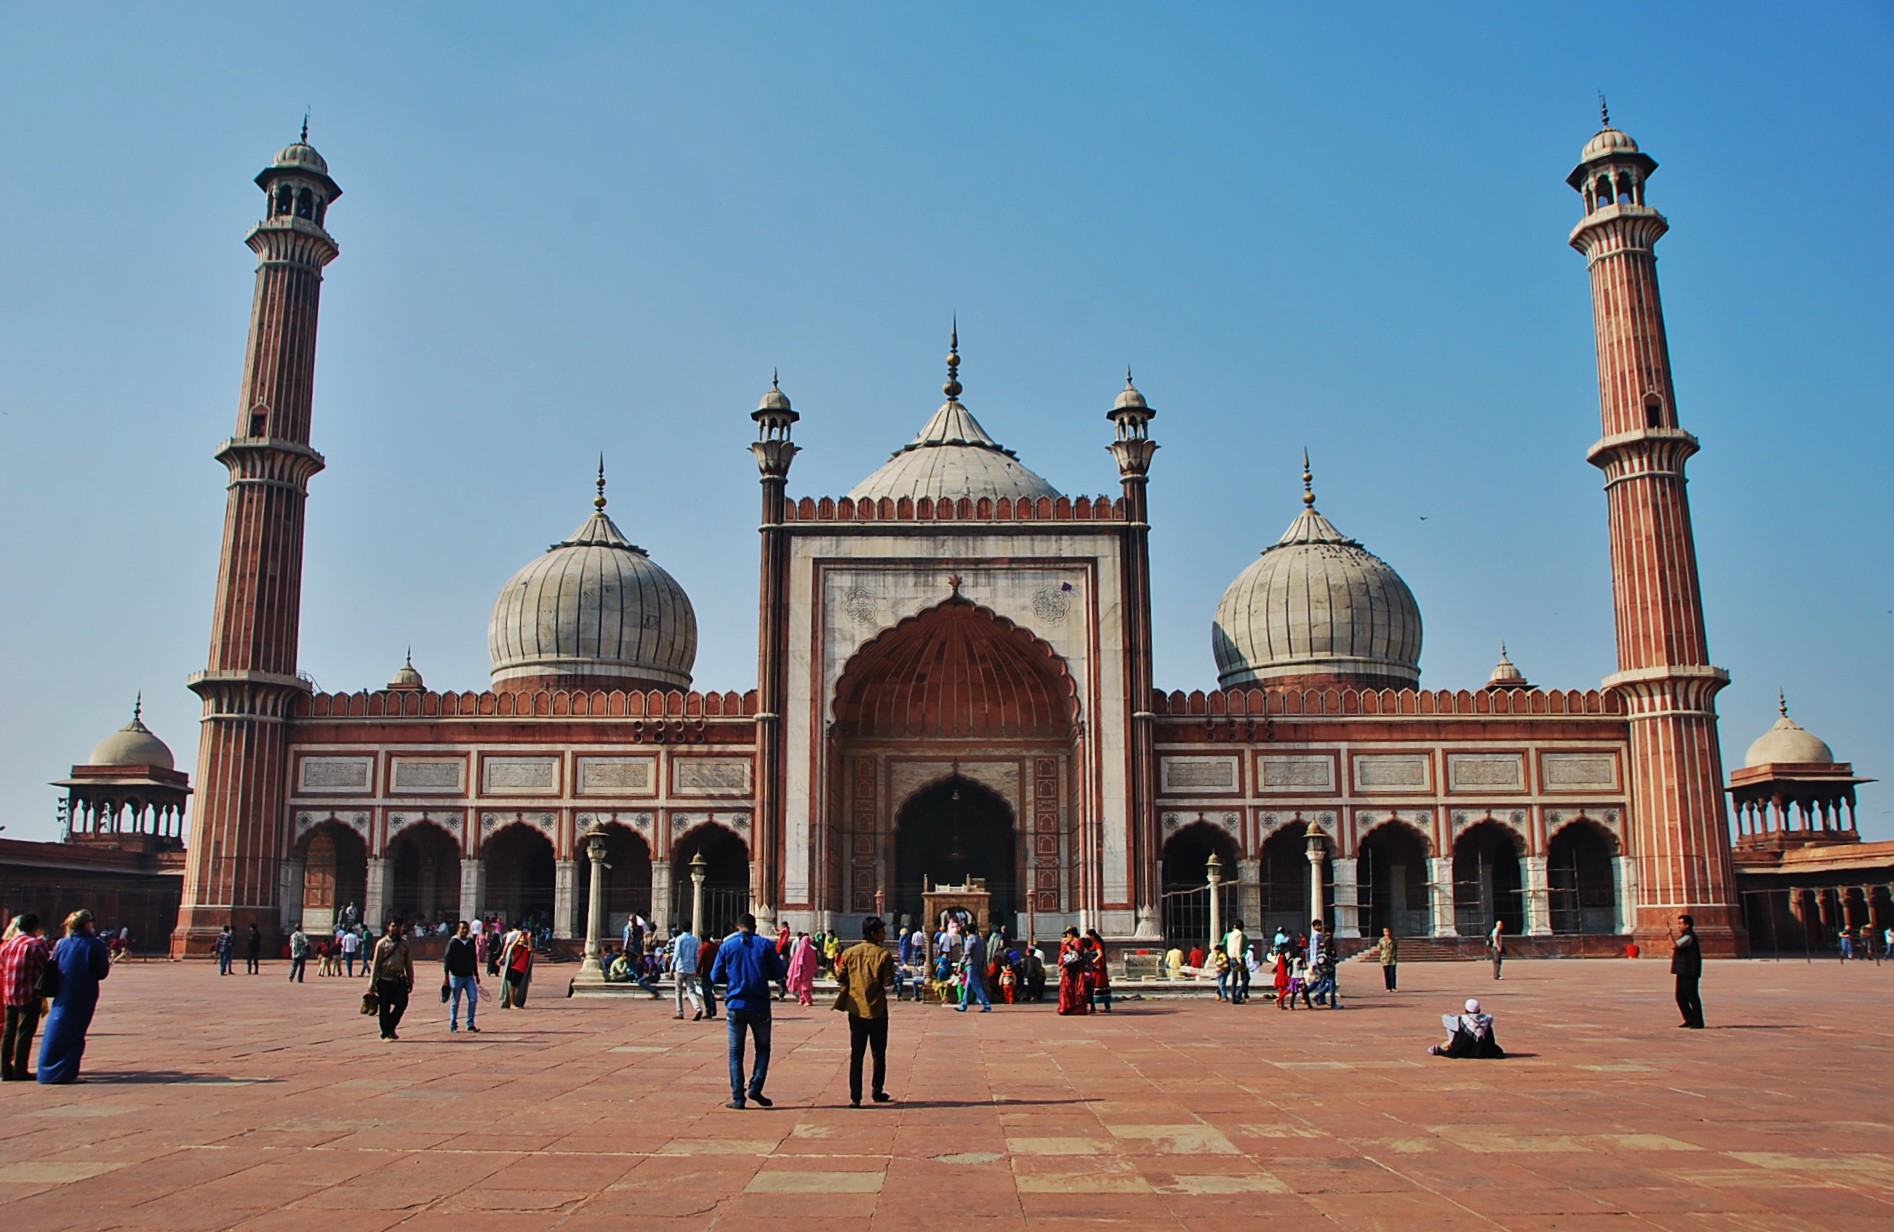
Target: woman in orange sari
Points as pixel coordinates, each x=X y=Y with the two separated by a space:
x=1074 y=994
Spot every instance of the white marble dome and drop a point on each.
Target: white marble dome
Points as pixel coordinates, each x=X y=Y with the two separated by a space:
x=953 y=457
x=597 y=611
x=133 y=745
x=1788 y=742
x=302 y=154
x=1318 y=605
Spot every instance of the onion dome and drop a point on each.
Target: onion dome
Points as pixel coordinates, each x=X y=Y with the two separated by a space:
x=1608 y=141
x=1317 y=608
x=593 y=611
x=406 y=679
x=1505 y=675
x=953 y=456
x=301 y=155
x=133 y=745
x=1788 y=743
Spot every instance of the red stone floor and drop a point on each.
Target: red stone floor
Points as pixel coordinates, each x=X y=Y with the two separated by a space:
x=243 y=1102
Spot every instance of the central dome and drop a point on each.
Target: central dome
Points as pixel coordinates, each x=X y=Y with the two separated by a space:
x=953 y=457
x=1318 y=608
x=594 y=611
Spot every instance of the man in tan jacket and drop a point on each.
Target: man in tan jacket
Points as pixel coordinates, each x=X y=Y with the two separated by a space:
x=865 y=973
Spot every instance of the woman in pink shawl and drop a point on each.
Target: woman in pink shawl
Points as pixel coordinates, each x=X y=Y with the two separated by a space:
x=802 y=969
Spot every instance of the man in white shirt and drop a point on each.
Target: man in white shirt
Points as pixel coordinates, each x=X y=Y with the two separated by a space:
x=684 y=955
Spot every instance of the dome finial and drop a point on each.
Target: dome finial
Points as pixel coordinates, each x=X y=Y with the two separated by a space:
x=1308 y=482
x=1782 y=703
x=1604 y=111
x=138 y=707
x=598 y=502
x=408 y=659
x=1128 y=384
x=304 y=139
x=775 y=378
x=953 y=387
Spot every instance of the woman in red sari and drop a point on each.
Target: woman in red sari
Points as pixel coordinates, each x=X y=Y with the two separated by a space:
x=1101 y=969
x=1073 y=994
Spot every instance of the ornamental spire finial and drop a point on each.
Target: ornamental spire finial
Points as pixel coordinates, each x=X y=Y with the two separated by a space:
x=1782 y=703
x=953 y=387
x=138 y=707
x=304 y=139
x=1308 y=482
x=598 y=502
x=1604 y=111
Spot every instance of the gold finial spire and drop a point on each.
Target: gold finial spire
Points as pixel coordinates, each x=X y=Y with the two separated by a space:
x=598 y=502
x=952 y=388
x=1308 y=482
x=1782 y=703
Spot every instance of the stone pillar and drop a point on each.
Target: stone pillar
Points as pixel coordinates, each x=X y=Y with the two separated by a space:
x=473 y=887
x=1620 y=878
x=663 y=910
x=292 y=893
x=1440 y=887
x=589 y=969
x=699 y=870
x=375 y=895
x=1249 y=892
x=1317 y=852
x=1347 y=912
x=1213 y=878
x=565 y=883
x=1538 y=897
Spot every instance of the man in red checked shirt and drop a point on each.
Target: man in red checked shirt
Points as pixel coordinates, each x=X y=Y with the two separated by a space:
x=22 y=957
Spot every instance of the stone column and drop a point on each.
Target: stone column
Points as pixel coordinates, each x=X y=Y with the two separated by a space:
x=1347 y=898
x=1440 y=888
x=565 y=884
x=589 y=969
x=663 y=910
x=375 y=895
x=1213 y=878
x=1620 y=878
x=1249 y=892
x=1317 y=852
x=699 y=870
x=473 y=887
x=1538 y=897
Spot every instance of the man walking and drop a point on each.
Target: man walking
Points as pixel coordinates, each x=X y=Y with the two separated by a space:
x=226 y=950
x=684 y=947
x=351 y=943
x=252 y=952
x=1686 y=963
x=1389 y=954
x=1236 y=946
x=747 y=965
x=1496 y=945
x=298 y=954
x=392 y=972
x=864 y=971
x=461 y=964
x=975 y=966
x=22 y=959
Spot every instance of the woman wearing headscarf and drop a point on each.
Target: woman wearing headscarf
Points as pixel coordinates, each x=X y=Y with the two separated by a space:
x=516 y=968
x=82 y=961
x=1074 y=988
x=1101 y=969
x=1469 y=1035
x=802 y=966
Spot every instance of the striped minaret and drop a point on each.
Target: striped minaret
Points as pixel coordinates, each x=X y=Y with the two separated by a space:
x=1679 y=838
x=238 y=836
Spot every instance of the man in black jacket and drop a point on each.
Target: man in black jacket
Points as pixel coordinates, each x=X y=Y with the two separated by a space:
x=1686 y=963
x=461 y=966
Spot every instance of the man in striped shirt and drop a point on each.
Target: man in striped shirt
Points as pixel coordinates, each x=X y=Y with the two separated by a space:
x=22 y=958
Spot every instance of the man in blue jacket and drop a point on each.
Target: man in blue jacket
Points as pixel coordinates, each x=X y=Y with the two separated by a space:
x=747 y=965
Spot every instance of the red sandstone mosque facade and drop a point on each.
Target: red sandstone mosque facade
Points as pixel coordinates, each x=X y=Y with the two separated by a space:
x=954 y=682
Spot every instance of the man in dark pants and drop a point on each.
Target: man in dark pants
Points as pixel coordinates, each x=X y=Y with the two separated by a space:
x=253 y=950
x=864 y=971
x=748 y=965
x=1686 y=963
x=22 y=959
x=392 y=972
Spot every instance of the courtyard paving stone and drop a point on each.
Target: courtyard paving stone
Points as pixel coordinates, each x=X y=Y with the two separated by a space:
x=240 y=1102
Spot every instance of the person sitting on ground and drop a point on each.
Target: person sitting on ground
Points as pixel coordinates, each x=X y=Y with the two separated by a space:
x=1468 y=1035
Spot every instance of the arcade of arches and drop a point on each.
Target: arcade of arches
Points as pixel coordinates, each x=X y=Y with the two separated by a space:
x=955 y=738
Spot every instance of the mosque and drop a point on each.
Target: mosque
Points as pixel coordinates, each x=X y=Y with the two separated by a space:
x=954 y=688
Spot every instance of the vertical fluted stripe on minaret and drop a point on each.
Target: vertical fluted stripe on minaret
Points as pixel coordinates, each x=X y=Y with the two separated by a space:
x=250 y=684
x=1680 y=839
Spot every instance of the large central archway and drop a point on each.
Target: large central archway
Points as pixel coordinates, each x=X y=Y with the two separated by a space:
x=950 y=832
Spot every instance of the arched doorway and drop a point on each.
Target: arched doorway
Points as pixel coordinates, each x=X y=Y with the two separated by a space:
x=627 y=880
x=1393 y=890
x=335 y=874
x=726 y=878
x=1581 y=876
x=520 y=875
x=948 y=832
x=1486 y=881
x=425 y=874
x=1286 y=903
x=1186 y=889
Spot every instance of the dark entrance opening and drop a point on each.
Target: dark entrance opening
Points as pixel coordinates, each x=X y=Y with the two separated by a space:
x=335 y=874
x=1285 y=886
x=1186 y=890
x=1579 y=875
x=520 y=875
x=426 y=876
x=1393 y=882
x=1486 y=881
x=627 y=881
x=949 y=832
x=726 y=879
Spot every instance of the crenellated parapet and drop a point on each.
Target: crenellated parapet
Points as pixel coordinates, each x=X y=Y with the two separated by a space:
x=544 y=703
x=1324 y=703
x=958 y=509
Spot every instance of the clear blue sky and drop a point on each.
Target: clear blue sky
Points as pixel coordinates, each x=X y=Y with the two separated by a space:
x=600 y=227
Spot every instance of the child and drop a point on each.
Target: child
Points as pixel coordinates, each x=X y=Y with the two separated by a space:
x=1007 y=983
x=1299 y=982
x=1282 y=977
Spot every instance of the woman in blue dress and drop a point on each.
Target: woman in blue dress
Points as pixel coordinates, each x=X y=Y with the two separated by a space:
x=83 y=961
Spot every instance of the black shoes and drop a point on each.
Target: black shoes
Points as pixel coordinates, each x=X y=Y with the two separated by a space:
x=882 y=1097
x=736 y=1104
x=761 y=1101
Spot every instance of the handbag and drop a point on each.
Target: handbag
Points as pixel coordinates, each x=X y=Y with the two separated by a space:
x=444 y=992
x=371 y=1002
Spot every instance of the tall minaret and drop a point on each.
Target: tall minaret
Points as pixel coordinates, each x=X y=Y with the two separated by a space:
x=774 y=450
x=238 y=836
x=1132 y=448
x=1679 y=835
